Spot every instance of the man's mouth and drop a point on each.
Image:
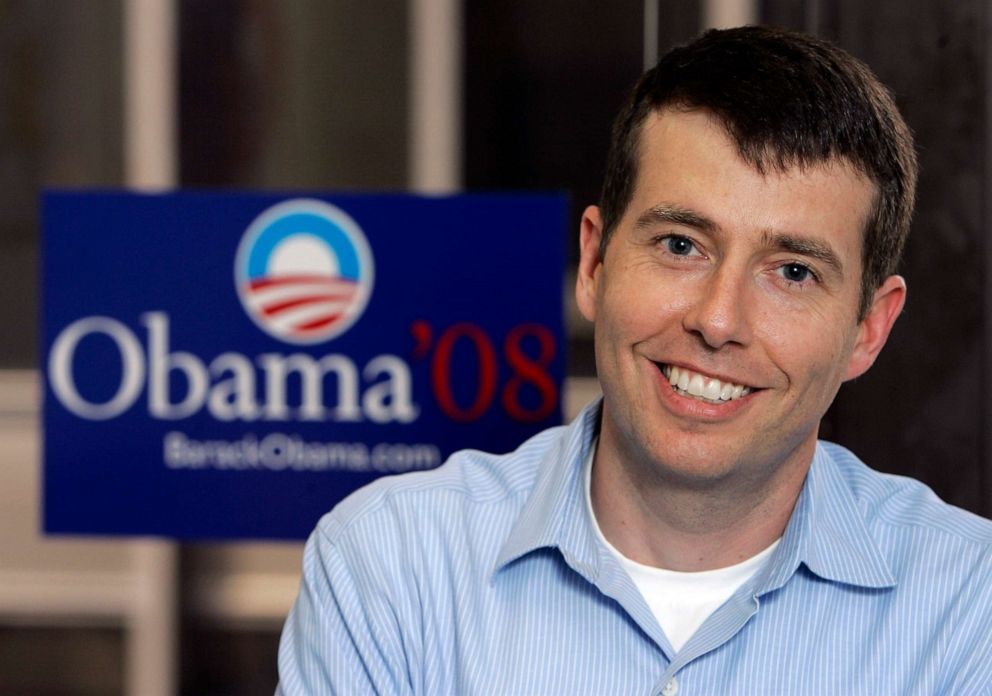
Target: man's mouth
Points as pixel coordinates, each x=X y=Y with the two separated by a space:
x=703 y=387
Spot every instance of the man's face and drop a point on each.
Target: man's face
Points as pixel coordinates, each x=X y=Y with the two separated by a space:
x=747 y=285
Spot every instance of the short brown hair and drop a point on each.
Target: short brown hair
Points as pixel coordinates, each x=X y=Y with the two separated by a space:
x=786 y=99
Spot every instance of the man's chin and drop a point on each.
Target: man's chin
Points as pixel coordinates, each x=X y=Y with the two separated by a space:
x=695 y=474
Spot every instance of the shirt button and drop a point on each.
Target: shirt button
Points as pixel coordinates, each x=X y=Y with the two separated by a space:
x=671 y=688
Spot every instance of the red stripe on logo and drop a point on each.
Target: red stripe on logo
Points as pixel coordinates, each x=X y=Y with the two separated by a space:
x=315 y=324
x=277 y=307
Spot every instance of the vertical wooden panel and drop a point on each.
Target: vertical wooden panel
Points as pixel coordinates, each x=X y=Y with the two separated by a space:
x=304 y=94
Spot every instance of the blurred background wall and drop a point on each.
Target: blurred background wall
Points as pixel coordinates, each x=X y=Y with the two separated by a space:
x=326 y=94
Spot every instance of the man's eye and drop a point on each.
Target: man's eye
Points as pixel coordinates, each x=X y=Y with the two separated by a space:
x=680 y=246
x=796 y=272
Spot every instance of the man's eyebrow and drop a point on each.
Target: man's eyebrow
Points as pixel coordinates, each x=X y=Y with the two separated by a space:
x=806 y=246
x=673 y=215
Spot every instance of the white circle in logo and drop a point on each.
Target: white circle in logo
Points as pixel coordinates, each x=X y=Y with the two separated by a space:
x=304 y=271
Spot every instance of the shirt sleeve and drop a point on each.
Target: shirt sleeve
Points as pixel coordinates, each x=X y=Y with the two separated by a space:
x=342 y=635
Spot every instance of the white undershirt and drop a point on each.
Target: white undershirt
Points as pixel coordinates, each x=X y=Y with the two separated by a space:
x=680 y=601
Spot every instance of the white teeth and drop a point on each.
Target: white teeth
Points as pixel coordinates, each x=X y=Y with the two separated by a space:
x=713 y=389
x=707 y=388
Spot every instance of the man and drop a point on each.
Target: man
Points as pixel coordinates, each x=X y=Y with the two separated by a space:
x=687 y=534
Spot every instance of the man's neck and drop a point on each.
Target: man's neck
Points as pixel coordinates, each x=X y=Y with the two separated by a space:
x=657 y=522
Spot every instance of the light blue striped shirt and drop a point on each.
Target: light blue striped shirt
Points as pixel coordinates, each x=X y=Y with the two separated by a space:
x=485 y=577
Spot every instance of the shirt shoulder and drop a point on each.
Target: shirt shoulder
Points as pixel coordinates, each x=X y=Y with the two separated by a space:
x=899 y=503
x=939 y=607
x=468 y=480
x=382 y=570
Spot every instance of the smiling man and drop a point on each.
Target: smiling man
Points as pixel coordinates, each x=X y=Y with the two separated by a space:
x=726 y=308
x=688 y=533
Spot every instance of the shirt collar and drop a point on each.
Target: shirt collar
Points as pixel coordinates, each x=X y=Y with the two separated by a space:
x=553 y=515
x=828 y=534
x=827 y=531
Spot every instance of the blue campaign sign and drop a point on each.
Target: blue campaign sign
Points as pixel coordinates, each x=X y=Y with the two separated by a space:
x=232 y=365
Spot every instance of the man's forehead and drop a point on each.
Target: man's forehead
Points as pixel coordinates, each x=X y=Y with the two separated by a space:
x=669 y=135
x=764 y=158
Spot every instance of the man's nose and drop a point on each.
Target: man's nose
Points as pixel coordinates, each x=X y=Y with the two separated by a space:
x=720 y=311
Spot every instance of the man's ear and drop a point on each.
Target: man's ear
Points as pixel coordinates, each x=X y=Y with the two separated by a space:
x=874 y=329
x=590 y=262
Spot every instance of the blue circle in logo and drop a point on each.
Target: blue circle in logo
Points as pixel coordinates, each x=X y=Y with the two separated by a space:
x=304 y=271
